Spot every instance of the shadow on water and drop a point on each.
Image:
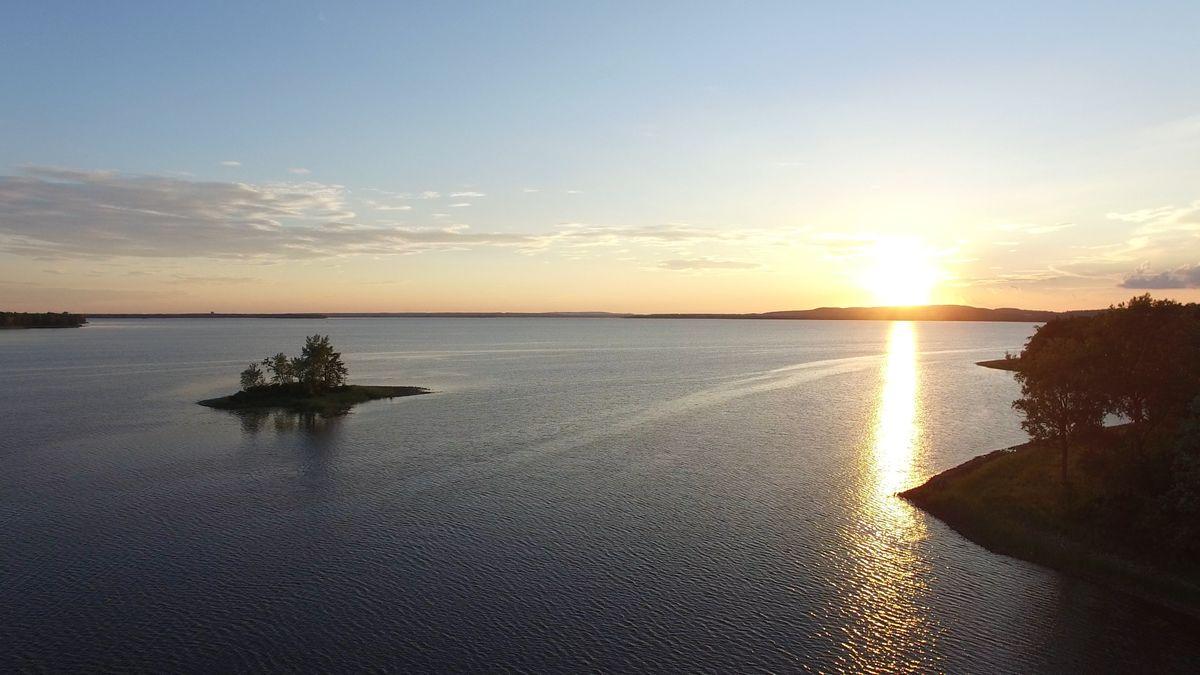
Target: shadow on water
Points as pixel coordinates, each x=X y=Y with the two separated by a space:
x=255 y=422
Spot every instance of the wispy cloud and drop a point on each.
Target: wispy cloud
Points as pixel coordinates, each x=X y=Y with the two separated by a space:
x=51 y=213
x=1032 y=228
x=681 y=264
x=467 y=194
x=299 y=171
x=231 y=163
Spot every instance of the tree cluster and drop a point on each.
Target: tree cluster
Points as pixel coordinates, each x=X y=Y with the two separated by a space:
x=318 y=368
x=41 y=320
x=1137 y=362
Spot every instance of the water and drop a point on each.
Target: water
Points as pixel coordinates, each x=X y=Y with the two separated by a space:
x=599 y=494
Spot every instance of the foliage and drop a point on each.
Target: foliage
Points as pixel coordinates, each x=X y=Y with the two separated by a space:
x=42 y=320
x=318 y=368
x=1180 y=504
x=1151 y=358
x=252 y=377
x=1059 y=397
x=281 y=368
x=1139 y=360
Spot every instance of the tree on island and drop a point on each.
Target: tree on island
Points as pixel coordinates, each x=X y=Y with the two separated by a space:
x=281 y=368
x=319 y=368
x=252 y=377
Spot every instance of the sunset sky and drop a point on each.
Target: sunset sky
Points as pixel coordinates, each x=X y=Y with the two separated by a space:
x=599 y=156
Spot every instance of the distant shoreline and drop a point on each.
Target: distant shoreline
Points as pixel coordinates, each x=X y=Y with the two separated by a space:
x=39 y=320
x=921 y=313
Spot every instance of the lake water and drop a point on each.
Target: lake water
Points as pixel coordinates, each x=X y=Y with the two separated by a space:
x=579 y=494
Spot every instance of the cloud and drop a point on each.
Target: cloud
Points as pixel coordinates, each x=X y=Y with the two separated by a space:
x=1186 y=276
x=671 y=233
x=388 y=207
x=1031 y=228
x=459 y=205
x=299 y=171
x=57 y=214
x=467 y=194
x=530 y=190
x=680 y=264
x=231 y=162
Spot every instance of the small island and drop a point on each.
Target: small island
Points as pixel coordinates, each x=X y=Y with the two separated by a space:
x=314 y=382
x=41 y=320
x=1118 y=505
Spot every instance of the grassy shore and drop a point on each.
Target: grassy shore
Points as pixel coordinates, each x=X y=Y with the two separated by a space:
x=335 y=401
x=1011 y=502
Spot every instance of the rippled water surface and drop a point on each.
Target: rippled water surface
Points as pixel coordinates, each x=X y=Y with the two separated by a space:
x=592 y=493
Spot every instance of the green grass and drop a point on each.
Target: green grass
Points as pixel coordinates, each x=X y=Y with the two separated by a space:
x=295 y=398
x=1013 y=502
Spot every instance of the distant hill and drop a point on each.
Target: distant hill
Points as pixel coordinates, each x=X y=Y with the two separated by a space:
x=919 y=313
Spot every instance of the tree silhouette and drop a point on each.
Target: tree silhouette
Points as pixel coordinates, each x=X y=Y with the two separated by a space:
x=281 y=368
x=1060 y=398
x=252 y=377
x=320 y=366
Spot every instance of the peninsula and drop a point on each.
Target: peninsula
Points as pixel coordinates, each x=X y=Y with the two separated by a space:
x=314 y=382
x=1117 y=505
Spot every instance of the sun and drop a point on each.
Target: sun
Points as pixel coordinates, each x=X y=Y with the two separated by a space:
x=900 y=271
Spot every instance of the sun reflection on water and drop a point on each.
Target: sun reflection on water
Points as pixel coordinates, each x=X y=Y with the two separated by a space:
x=890 y=627
x=896 y=417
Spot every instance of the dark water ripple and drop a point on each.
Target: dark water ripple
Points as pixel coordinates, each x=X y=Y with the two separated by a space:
x=601 y=495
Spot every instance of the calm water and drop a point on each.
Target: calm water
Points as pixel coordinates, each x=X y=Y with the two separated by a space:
x=601 y=494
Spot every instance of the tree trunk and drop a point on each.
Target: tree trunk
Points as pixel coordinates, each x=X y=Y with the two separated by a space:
x=1063 y=464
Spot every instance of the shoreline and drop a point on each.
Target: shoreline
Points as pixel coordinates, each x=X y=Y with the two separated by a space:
x=333 y=402
x=975 y=500
x=1011 y=365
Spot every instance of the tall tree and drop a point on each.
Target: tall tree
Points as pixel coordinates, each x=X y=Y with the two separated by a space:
x=1059 y=395
x=321 y=366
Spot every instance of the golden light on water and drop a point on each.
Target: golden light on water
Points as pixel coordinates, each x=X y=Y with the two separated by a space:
x=890 y=571
x=896 y=417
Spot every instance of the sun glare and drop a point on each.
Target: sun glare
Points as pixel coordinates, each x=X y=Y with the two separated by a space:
x=900 y=272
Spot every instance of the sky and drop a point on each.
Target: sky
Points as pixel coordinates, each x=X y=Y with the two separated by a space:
x=630 y=157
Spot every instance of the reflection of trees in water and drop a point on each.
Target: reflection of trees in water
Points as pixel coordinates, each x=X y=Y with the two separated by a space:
x=284 y=421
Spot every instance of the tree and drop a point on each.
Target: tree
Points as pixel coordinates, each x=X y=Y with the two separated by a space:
x=252 y=377
x=320 y=366
x=281 y=368
x=1059 y=396
x=1151 y=354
